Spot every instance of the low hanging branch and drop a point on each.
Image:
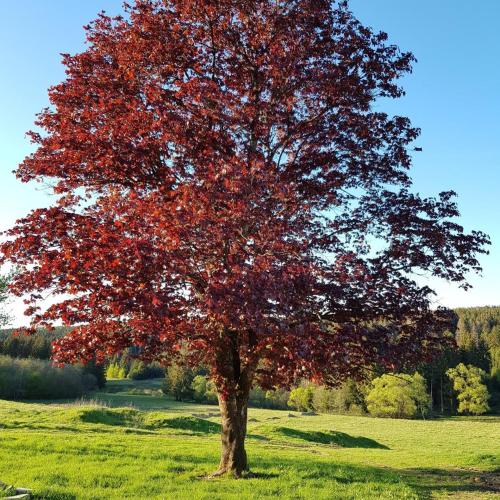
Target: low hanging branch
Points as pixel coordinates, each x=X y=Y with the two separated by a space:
x=227 y=194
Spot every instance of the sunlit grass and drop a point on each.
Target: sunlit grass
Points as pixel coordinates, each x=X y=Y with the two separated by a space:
x=156 y=448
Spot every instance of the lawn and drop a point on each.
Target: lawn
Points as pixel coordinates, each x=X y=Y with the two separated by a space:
x=132 y=442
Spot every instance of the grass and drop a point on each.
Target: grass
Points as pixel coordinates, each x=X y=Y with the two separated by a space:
x=130 y=442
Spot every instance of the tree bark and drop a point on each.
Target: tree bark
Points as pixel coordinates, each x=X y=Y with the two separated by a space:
x=234 y=411
x=233 y=391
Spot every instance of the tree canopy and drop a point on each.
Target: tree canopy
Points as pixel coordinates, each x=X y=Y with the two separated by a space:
x=226 y=190
x=398 y=396
x=472 y=394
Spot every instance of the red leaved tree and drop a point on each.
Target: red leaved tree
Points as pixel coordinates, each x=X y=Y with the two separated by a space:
x=226 y=193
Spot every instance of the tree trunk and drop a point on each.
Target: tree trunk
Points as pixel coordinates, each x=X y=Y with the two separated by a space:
x=233 y=389
x=234 y=410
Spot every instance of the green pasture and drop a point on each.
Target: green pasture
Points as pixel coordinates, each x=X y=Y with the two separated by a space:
x=132 y=442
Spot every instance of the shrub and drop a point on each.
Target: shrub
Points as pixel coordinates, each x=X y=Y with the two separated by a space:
x=111 y=371
x=136 y=370
x=301 y=398
x=398 y=396
x=37 y=379
x=178 y=381
x=115 y=371
x=275 y=400
x=348 y=398
x=472 y=394
x=118 y=367
x=203 y=390
x=97 y=371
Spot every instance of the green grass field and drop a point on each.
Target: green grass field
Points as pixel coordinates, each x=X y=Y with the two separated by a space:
x=131 y=442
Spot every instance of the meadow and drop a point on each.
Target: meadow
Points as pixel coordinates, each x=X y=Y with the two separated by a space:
x=132 y=442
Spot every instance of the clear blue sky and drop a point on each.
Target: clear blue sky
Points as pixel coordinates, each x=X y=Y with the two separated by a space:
x=453 y=95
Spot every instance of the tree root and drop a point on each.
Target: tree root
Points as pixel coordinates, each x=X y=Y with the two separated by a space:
x=234 y=474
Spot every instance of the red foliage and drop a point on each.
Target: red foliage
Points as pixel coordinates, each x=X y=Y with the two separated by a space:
x=226 y=190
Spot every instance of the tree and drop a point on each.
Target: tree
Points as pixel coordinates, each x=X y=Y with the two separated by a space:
x=472 y=394
x=228 y=194
x=178 y=382
x=398 y=396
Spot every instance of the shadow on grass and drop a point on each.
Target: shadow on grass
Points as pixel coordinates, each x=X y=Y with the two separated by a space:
x=120 y=417
x=399 y=483
x=192 y=424
x=429 y=481
x=424 y=482
x=53 y=495
x=270 y=470
x=131 y=418
x=335 y=438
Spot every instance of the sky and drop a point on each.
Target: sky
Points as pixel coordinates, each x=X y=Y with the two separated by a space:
x=453 y=95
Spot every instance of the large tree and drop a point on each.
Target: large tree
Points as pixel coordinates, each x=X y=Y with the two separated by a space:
x=227 y=193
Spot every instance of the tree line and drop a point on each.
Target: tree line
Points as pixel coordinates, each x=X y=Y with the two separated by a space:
x=477 y=345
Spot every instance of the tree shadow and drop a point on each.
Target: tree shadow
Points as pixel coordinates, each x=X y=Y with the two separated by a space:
x=192 y=424
x=424 y=482
x=53 y=495
x=107 y=416
x=335 y=438
x=429 y=481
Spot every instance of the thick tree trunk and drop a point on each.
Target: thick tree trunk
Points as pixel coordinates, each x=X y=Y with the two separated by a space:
x=234 y=384
x=234 y=410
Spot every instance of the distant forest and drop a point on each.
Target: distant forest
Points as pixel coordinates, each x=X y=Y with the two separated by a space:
x=477 y=335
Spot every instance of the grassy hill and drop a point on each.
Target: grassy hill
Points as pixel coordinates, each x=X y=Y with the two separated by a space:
x=131 y=442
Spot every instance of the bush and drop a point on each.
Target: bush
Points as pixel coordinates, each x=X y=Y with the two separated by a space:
x=472 y=394
x=274 y=400
x=348 y=398
x=203 y=390
x=117 y=368
x=136 y=369
x=301 y=398
x=37 y=379
x=97 y=371
x=39 y=346
x=398 y=396
x=178 y=380
x=112 y=372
